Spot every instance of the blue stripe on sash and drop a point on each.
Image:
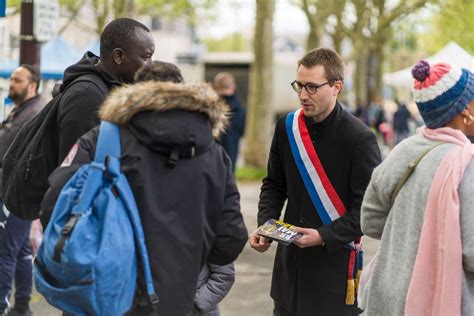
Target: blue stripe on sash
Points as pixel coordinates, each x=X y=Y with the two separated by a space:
x=304 y=173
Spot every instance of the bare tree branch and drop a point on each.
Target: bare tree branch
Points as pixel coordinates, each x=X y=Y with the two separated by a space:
x=72 y=17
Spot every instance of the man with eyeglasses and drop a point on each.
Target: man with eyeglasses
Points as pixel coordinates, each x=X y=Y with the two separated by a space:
x=321 y=160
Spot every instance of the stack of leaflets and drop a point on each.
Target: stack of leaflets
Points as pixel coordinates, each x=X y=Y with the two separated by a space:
x=279 y=231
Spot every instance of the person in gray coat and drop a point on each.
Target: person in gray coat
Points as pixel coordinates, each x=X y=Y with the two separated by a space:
x=425 y=263
x=214 y=284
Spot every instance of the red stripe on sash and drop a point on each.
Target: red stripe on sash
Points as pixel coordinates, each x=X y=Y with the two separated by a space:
x=351 y=267
x=313 y=156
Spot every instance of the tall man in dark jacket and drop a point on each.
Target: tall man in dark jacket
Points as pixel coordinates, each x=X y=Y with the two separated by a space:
x=15 y=251
x=125 y=45
x=321 y=160
x=181 y=179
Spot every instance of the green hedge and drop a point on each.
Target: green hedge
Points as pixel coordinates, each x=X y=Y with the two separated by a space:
x=250 y=174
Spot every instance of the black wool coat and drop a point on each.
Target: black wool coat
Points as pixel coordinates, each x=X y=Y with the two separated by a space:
x=313 y=281
x=182 y=182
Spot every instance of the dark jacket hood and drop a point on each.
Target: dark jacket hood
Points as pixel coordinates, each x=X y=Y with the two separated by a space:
x=164 y=114
x=88 y=65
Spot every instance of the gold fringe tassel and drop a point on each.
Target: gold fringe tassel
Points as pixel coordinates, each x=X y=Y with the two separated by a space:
x=357 y=280
x=350 y=293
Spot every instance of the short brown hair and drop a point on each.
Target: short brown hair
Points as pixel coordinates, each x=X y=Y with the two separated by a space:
x=159 y=71
x=329 y=59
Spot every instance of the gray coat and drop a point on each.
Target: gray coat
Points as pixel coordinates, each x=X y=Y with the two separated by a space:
x=11 y=126
x=399 y=228
x=213 y=285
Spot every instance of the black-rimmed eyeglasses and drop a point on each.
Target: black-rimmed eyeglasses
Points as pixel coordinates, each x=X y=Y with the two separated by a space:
x=311 y=88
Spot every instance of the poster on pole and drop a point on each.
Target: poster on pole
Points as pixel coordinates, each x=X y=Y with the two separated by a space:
x=45 y=19
x=3 y=8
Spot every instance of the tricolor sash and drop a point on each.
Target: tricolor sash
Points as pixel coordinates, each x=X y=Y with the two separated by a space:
x=324 y=197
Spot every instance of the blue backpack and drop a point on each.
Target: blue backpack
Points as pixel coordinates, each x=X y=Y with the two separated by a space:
x=87 y=263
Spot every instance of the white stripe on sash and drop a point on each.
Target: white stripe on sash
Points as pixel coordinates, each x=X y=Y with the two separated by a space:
x=326 y=201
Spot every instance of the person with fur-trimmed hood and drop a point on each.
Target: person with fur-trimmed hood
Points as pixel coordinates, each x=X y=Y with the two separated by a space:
x=182 y=182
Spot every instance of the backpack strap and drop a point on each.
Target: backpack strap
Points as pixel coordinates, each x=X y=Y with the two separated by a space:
x=408 y=172
x=108 y=142
x=108 y=150
x=92 y=78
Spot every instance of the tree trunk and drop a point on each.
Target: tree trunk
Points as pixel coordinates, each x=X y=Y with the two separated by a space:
x=339 y=30
x=102 y=9
x=337 y=41
x=379 y=56
x=312 y=41
x=258 y=130
x=124 y=8
x=360 y=77
x=314 y=34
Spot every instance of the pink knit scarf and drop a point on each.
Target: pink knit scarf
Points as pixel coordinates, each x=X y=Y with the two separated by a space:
x=435 y=287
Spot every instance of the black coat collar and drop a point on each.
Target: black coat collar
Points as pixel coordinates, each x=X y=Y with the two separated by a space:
x=327 y=124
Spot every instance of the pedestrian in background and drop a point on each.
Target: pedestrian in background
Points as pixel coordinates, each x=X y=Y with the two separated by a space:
x=425 y=263
x=321 y=159
x=361 y=112
x=224 y=84
x=401 y=117
x=376 y=114
x=15 y=250
x=215 y=281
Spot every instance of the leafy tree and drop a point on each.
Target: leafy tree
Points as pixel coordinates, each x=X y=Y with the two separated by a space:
x=380 y=25
x=232 y=42
x=453 y=22
x=190 y=9
x=403 y=48
x=368 y=24
x=317 y=12
x=106 y=10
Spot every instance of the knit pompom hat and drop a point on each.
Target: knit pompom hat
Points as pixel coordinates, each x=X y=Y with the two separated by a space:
x=441 y=91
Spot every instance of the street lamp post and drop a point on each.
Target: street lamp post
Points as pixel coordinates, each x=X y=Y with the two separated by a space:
x=30 y=48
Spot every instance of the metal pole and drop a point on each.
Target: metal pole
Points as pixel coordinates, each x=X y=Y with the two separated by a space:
x=2 y=102
x=30 y=48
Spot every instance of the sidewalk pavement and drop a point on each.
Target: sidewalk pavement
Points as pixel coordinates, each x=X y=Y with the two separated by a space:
x=250 y=295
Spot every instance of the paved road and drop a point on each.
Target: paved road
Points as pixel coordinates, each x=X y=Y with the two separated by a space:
x=250 y=293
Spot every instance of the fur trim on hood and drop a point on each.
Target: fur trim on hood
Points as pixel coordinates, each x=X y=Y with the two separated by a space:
x=124 y=102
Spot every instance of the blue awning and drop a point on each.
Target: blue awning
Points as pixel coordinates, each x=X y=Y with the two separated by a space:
x=56 y=56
